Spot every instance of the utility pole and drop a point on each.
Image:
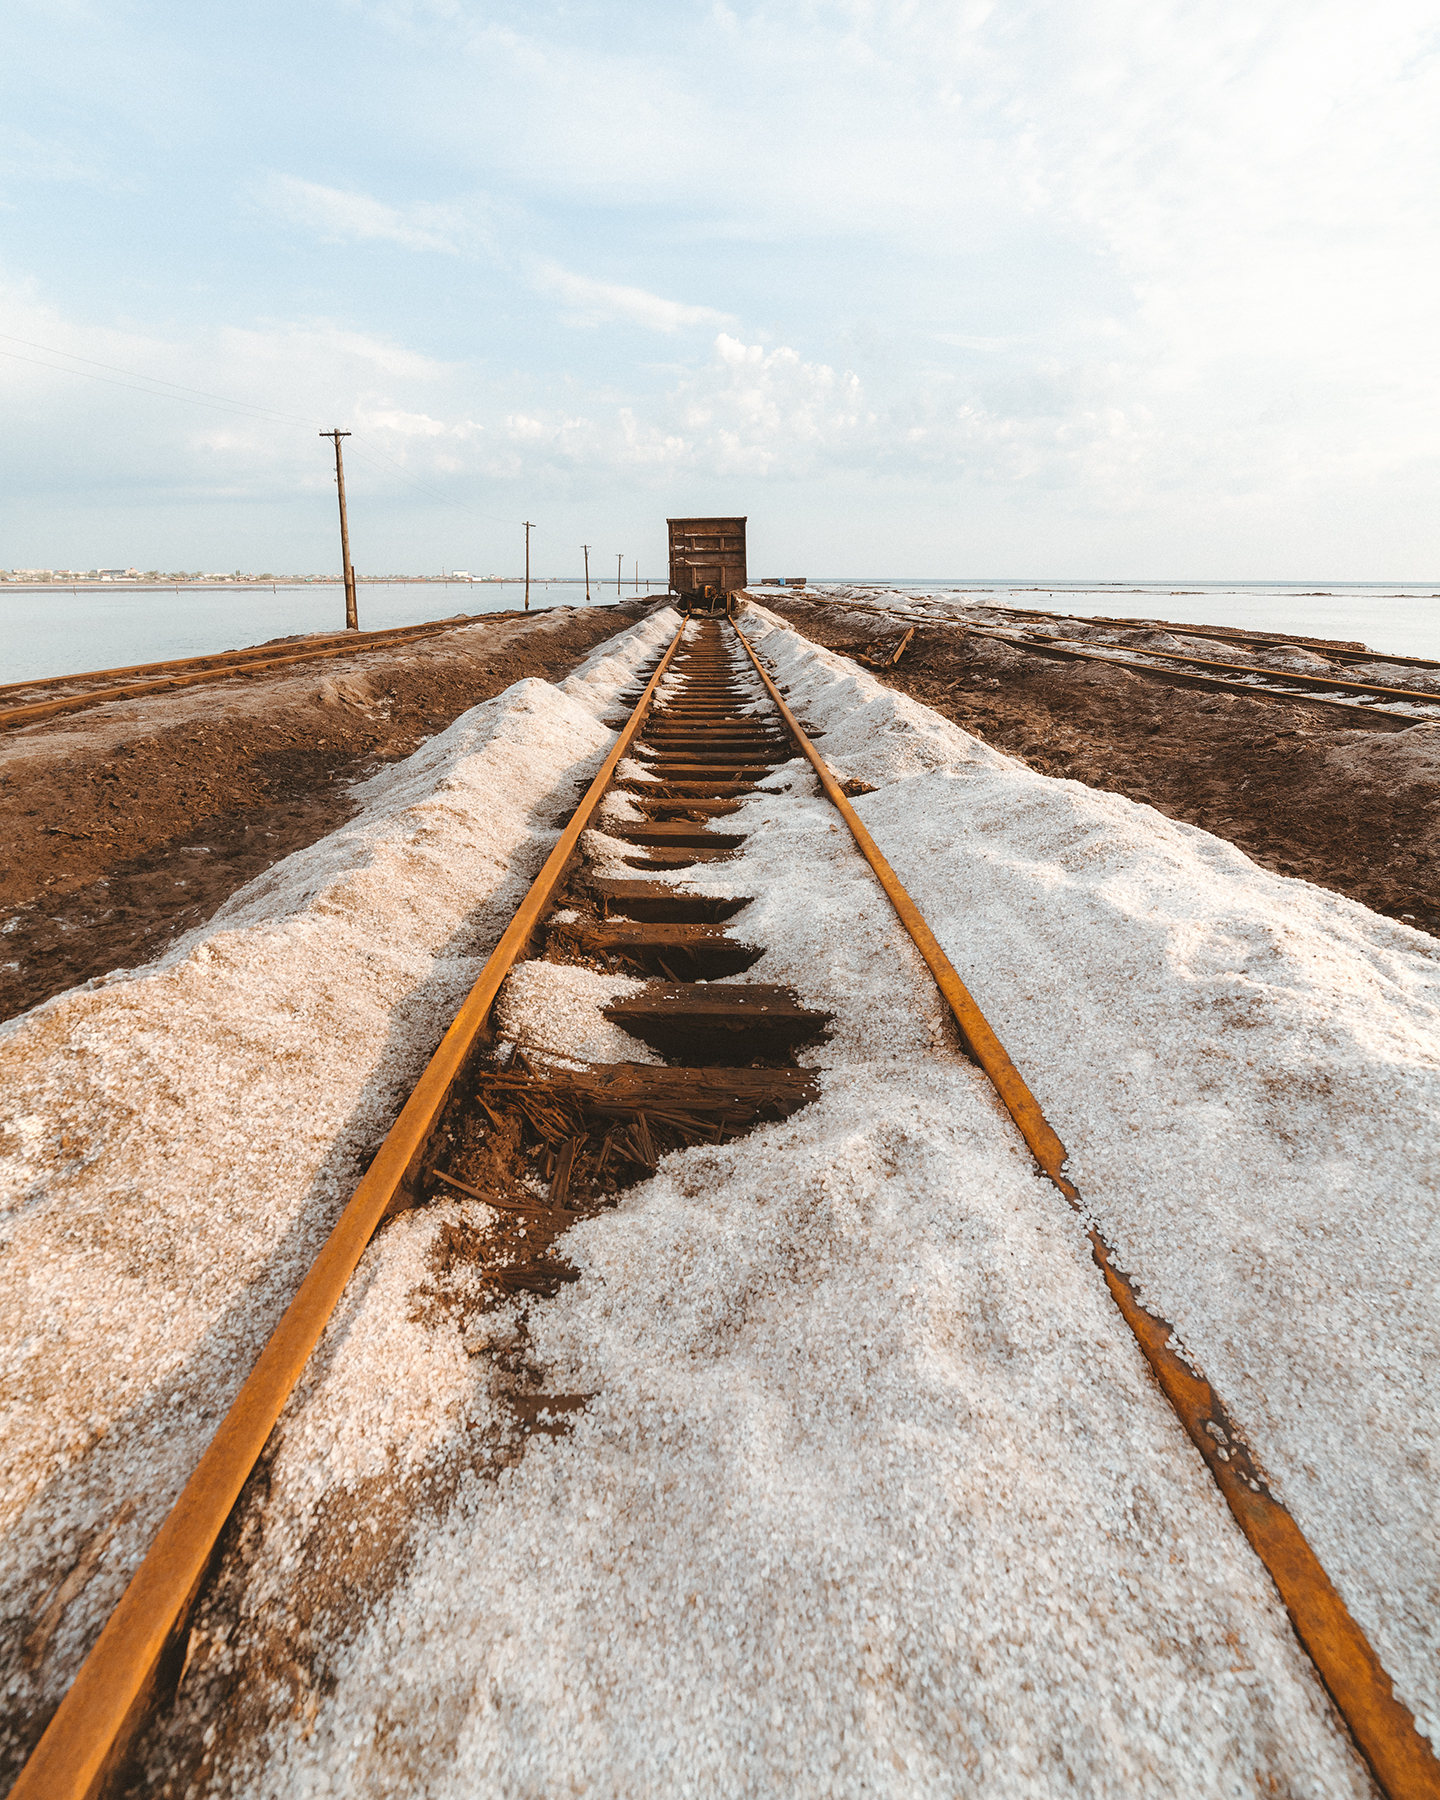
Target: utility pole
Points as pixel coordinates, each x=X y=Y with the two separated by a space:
x=586 y=549
x=528 y=529
x=352 y=618
x=619 y=568
x=637 y=578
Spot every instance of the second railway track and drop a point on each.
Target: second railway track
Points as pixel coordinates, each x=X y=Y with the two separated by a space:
x=33 y=702
x=1342 y=699
x=547 y=1143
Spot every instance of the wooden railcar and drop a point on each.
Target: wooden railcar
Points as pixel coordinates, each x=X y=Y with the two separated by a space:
x=707 y=561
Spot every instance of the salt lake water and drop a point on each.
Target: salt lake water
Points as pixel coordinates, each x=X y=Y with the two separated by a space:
x=1403 y=620
x=51 y=630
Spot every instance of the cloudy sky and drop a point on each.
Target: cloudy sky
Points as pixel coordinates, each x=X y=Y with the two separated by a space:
x=1052 y=288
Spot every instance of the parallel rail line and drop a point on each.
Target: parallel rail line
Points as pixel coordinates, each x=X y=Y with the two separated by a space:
x=1177 y=669
x=1332 y=649
x=191 y=671
x=702 y=749
x=1287 y=684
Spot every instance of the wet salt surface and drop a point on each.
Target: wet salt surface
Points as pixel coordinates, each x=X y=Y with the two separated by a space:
x=876 y=1494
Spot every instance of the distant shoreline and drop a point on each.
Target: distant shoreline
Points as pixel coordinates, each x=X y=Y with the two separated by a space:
x=53 y=625
x=1169 y=585
x=141 y=585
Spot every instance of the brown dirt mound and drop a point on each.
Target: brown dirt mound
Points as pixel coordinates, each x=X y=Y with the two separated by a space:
x=1354 y=811
x=129 y=824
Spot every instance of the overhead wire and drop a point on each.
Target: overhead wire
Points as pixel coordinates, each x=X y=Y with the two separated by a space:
x=201 y=397
x=214 y=404
x=156 y=381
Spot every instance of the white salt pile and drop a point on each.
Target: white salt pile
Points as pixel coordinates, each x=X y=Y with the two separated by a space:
x=175 y=1142
x=1246 y=1071
x=875 y=1494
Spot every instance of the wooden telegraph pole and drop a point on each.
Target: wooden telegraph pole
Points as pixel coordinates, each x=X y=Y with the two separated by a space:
x=586 y=549
x=528 y=529
x=637 y=578
x=352 y=617
x=619 y=571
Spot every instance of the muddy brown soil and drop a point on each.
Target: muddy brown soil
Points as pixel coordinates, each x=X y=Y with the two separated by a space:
x=1354 y=811
x=122 y=827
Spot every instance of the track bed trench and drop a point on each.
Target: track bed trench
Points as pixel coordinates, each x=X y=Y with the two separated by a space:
x=544 y=1142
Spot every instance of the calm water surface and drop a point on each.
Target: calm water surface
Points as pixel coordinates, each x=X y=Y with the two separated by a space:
x=52 y=631
x=1402 y=620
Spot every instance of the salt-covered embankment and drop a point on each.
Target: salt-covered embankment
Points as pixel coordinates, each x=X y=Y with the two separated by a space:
x=178 y=1139
x=874 y=1493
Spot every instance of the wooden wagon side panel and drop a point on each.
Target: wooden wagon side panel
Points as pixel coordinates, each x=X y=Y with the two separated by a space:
x=707 y=554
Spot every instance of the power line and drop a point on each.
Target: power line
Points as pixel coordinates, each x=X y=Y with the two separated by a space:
x=158 y=380
x=189 y=396
x=154 y=393
x=424 y=487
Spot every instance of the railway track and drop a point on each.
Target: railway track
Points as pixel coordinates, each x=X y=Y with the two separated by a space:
x=1367 y=711
x=1333 y=650
x=142 y=679
x=1242 y=678
x=707 y=729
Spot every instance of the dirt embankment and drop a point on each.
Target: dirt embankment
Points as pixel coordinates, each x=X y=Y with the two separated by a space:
x=125 y=826
x=1354 y=811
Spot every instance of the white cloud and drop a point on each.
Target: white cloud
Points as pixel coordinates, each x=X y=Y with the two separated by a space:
x=745 y=411
x=762 y=410
x=1134 y=259
x=284 y=351
x=221 y=412
x=595 y=302
x=338 y=216
x=25 y=158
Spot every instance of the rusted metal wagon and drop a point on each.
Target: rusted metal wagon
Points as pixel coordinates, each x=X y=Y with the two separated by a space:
x=707 y=562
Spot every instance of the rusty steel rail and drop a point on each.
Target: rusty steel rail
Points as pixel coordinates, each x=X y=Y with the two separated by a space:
x=1204 y=662
x=1192 y=678
x=190 y=671
x=1236 y=635
x=1382 y=1727
x=317 y=640
x=107 y=1703
x=1117 y=657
